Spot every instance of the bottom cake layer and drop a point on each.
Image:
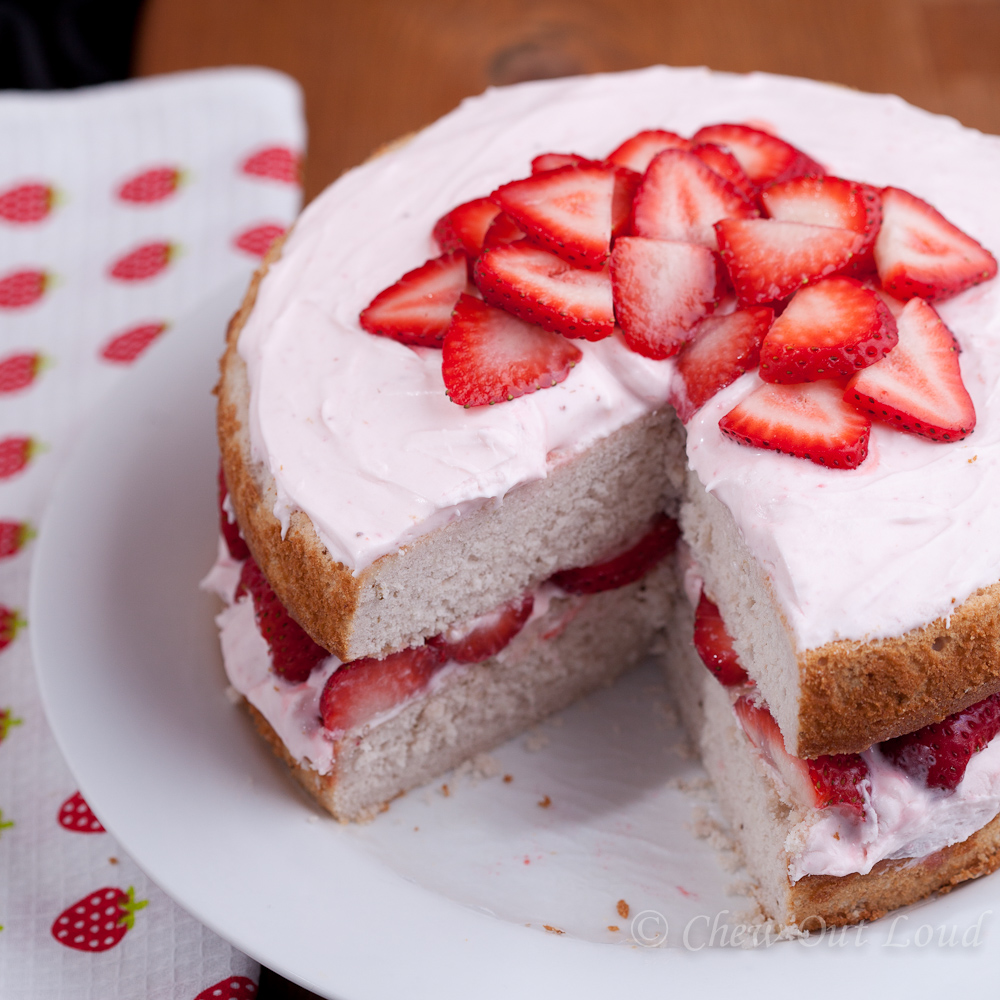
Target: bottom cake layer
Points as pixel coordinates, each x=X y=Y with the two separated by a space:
x=577 y=644
x=766 y=826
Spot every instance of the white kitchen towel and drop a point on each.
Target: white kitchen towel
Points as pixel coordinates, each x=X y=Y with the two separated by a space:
x=121 y=208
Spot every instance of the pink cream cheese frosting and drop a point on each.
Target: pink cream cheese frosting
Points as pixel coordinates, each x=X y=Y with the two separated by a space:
x=358 y=433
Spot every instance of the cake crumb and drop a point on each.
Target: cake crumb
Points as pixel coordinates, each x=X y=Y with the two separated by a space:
x=232 y=695
x=508 y=778
x=553 y=930
x=445 y=791
x=416 y=829
x=112 y=861
x=535 y=741
x=613 y=927
x=622 y=907
x=546 y=802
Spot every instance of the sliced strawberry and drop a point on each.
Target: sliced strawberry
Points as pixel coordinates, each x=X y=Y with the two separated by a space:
x=626 y=567
x=361 y=690
x=503 y=230
x=626 y=185
x=417 y=309
x=637 y=153
x=829 y=329
x=728 y=167
x=715 y=645
x=681 y=198
x=566 y=211
x=542 y=288
x=230 y=529
x=293 y=653
x=829 y=201
x=721 y=349
x=769 y=260
x=661 y=290
x=807 y=421
x=830 y=781
x=490 y=356
x=763 y=157
x=464 y=227
x=939 y=753
x=489 y=634
x=920 y=253
x=553 y=161
x=918 y=387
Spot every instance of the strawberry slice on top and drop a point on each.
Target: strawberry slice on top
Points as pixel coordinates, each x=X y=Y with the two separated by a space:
x=763 y=157
x=918 y=252
x=715 y=645
x=489 y=356
x=918 y=387
x=465 y=226
x=721 y=349
x=768 y=259
x=541 y=288
x=553 y=161
x=503 y=230
x=681 y=198
x=566 y=211
x=829 y=329
x=810 y=421
x=728 y=167
x=637 y=152
x=661 y=289
x=832 y=781
x=416 y=310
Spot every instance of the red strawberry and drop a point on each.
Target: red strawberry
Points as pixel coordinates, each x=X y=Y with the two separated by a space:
x=143 y=262
x=126 y=347
x=11 y=623
x=769 y=260
x=75 y=815
x=15 y=454
x=637 y=153
x=626 y=567
x=150 y=186
x=553 y=161
x=23 y=288
x=26 y=203
x=7 y=722
x=503 y=230
x=829 y=329
x=626 y=185
x=721 y=349
x=276 y=163
x=490 y=356
x=257 y=240
x=18 y=371
x=417 y=309
x=728 y=167
x=231 y=988
x=98 y=921
x=359 y=691
x=715 y=645
x=14 y=535
x=490 y=633
x=830 y=781
x=660 y=291
x=918 y=387
x=541 y=288
x=680 y=198
x=829 y=201
x=920 y=253
x=230 y=529
x=939 y=753
x=807 y=421
x=293 y=652
x=566 y=211
x=763 y=157
x=464 y=227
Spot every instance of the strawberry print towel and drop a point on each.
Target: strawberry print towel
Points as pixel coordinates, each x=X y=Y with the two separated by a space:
x=121 y=207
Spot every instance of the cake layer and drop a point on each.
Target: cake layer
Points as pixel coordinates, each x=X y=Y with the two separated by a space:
x=823 y=867
x=571 y=645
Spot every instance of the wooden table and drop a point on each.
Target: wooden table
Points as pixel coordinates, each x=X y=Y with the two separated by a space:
x=377 y=69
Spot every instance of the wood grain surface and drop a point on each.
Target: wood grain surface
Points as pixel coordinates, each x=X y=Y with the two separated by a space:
x=378 y=69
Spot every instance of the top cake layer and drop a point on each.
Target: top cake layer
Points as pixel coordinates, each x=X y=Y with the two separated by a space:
x=358 y=433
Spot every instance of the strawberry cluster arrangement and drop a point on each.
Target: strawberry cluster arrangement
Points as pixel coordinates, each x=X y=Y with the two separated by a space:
x=731 y=251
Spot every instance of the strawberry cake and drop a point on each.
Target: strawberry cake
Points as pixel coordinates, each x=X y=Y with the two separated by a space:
x=469 y=404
